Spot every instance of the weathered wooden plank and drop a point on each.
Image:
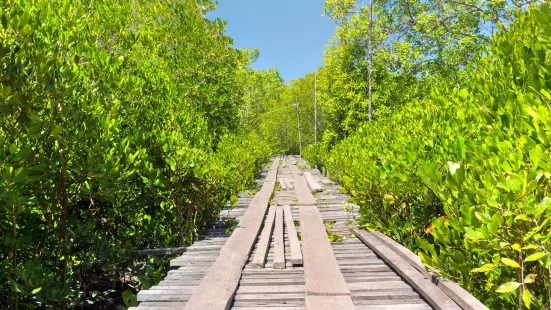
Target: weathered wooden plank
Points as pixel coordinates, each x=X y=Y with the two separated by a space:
x=162 y=251
x=321 y=270
x=424 y=286
x=271 y=289
x=304 y=196
x=279 y=245
x=313 y=184
x=296 y=252
x=270 y=297
x=463 y=298
x=271 y=308
x=142 y=296
x=389 y=294
x=377 y=286
x=402 y=302
x=282 y=184
x=217 y=288
x=271 y=281
x=329 y=302
x=295 y=170
x=404 y=306
x=263 y=243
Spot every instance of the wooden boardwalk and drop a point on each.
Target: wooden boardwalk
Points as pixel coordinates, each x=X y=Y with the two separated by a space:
x=261 y=265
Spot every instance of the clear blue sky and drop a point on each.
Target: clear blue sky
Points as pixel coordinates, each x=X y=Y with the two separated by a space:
x=289 y=33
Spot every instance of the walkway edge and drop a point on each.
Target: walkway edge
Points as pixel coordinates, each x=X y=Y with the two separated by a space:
x=462 y=297
x=432 y=294
x=217 y=288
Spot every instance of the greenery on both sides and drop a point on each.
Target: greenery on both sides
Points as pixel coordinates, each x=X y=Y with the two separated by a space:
x=462 y=174
x=120 y=129
x=127 y=125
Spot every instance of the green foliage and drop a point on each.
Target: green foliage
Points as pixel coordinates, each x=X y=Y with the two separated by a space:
x=118 y=131
x=280 y=123
x=415 y=45
x=463 y=176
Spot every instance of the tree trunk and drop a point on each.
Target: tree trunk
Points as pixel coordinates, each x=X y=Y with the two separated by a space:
x=64 y=215
x=370 y=82
x=14 y=252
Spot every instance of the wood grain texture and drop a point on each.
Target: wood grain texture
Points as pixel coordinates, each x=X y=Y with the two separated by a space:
x=312 y=183
x=296 y=252
x=437 y=299
x=217 y=288
x=264 y=242
x=279 y=245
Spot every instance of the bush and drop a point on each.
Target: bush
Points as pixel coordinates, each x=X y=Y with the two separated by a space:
x=117 y=132
x=463 y=176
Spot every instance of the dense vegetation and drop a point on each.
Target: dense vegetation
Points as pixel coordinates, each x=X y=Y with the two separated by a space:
x=127 y=125
x=120 y=129
x=455 y=164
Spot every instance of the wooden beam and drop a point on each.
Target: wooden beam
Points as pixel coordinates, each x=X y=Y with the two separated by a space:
x=313 y=184
x=162 y=251
x=282 y=184
x=217 y=288
x=329 y=302
x=304 y=196
x=296 y=252
x=263 y=243
x=322 y=274
x=432 y=294
x=279 y=242
x=463 y=298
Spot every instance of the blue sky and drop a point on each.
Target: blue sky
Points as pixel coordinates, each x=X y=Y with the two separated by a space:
x=289 y=33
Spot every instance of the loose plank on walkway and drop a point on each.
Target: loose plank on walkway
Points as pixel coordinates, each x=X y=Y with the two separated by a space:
x=313 y=184
x=282 y=184
x=304 y=196
x=325 y=284
x=463 y=298
x=264 y=242
x=279 y=246
x=438 y=299
x=217 y=288
x=296 y=253
x=322 y=273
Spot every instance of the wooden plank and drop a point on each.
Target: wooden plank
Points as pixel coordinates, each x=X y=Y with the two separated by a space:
x=272 y=289
x=217 y=288
x=275 y=164
x=329 y=302
x=295 y=170
x=403 y=306
x=313 y=184
x=263 y=243
x=463 y=298
x=279 y=245
x=424 y=286
x=282 y=184
x=304 y=196
x=321 y=270
x=296 y=253
x=162 y=251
